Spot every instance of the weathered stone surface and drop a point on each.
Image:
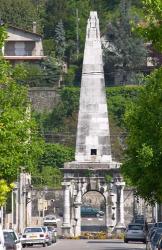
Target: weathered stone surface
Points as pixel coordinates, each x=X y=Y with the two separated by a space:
x=43 y=99
x=91 y=165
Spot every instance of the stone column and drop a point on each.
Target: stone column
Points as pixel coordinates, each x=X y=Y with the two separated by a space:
x=120 y=203
x=113 y=207
x=66 y=226
x=77 y=218
x=108 y=212
x=107 y=215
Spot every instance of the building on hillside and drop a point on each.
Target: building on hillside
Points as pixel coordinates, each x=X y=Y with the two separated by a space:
x=22 y=45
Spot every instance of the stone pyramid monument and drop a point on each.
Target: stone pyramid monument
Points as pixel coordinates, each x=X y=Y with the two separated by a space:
x=93 y=135
x=93 y=159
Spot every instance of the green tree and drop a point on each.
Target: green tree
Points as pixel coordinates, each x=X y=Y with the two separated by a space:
x=20 y=13
x=5 y=188
x=60 y=41
x=20 y=145
x=123 y=50
x=47 y=73
x=152 y=30
x=56 y=155
x=143 y=160
x=49 y=176
x=19 y=142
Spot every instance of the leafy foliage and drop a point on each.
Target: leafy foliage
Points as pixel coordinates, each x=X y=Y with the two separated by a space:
x=55 y=155
x=4 y=190
x=35 y=75
x=143 y=159
x=52 y=160
x=152 y=30
x=118 y=99
x=123 y=50
x=48 y=177
x=20 y=13
x=20 y=144
x=60 y=41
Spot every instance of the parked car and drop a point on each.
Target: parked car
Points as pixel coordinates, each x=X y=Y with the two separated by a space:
x=158 y=224
x=159 y=245
x=154 y=240
x=33 y=236
x=151 y=235
x=9 y=242
x=2 y=246
x=15 y=238
x=91 y=212
x=140 y=219
x=50 y=220
x=48 y=235
x=135 y=232
x=53 y=232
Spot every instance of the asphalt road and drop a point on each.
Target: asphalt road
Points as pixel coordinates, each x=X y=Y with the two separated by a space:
x=91 y=245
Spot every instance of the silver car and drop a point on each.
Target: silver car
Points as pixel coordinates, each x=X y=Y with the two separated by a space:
x=135 y=232
x=33 y=236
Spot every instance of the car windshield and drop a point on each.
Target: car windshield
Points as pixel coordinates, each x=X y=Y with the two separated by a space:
x=13 y=235
x=139 y=221
x=135 y=227
x=33 y=230
x=49 y=218
x=7 y=237
x=156 y=238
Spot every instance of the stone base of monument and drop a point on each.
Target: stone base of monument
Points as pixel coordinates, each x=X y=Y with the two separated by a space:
x=119 y=228
x=66 y=230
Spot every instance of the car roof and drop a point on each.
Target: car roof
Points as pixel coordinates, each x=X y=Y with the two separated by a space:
x=8 y=230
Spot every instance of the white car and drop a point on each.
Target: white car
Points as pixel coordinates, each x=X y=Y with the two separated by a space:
x=15 y=238
x=2 y=247
x=50 y=220
x=33 y=236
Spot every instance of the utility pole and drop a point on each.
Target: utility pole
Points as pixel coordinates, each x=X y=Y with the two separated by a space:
x=77 y=33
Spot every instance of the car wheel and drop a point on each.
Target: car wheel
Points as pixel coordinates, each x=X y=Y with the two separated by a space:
x=144 y=242
x=23 y=245
x=44 y=244
x=125 y=241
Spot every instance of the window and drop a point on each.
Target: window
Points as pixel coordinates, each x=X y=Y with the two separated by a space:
x=93 y=151
x=135 y=227
x=33 y=230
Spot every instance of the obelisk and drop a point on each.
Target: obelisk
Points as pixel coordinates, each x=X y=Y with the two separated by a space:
x=93 y=136
x=93 y=159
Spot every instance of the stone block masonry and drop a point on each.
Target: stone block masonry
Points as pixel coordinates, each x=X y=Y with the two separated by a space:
x=43 y=99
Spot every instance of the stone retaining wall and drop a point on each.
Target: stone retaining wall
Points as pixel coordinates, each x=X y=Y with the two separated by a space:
x=43 y=99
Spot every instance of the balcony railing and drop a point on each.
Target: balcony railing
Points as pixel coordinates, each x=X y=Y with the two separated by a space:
x=22 y=52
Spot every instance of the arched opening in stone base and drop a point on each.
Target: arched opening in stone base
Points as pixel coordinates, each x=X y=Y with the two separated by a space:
x=93 y=212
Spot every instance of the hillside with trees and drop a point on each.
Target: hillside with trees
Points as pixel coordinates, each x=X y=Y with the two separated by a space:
x=125 y=28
